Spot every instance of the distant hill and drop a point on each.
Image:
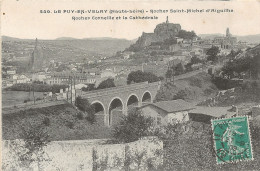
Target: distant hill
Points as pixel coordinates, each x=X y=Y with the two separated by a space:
x=65 y=38
x=7 y=38
x=108 y=46
x=105 y=45
x=248 y=38
x=210 y=36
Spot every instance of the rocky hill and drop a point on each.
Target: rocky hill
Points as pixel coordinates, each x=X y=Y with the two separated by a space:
x=162 y=32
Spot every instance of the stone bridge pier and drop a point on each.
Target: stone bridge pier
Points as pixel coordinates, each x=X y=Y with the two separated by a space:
x=111 y=103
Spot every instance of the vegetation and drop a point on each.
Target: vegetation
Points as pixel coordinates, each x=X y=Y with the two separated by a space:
x=182 y=94
x=212 y=53
x=189 y=89
x=139 y=76
x=190 y=145
x=186 y=34
x=108 y=83
x=132 y=127
x=169 y=75
x=84 y=106
x=37 y=87
x=196 y=60
x=35 y=138
x=243 y=65
x=90 y=87
x=174 y=70
x=179 y=69
x=59 y=126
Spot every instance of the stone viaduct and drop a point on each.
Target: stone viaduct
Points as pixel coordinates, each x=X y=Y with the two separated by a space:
x=120 y=99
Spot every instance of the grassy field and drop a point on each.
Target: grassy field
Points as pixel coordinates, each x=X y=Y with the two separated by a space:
x=11 y=98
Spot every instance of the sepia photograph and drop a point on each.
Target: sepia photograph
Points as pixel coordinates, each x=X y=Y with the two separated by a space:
x=115 y=85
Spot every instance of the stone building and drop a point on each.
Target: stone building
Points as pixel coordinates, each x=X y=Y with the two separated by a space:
x=65 y=78
x=167 y=112
x=227 y=42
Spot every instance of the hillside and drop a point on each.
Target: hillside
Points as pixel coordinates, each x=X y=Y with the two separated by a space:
x=104 y=46
x=100 y=46
x=61 y=122
x=248 y=38
x=193 y=89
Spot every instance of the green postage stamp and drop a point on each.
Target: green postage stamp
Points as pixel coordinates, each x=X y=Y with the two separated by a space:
x=232 y=139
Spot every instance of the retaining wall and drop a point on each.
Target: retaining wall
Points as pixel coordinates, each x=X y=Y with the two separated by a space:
x=86 y=155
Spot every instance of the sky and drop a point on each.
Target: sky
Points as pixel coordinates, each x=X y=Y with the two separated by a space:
x=22 y=18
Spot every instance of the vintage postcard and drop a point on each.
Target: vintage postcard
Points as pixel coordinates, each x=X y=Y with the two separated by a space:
x=130 y=85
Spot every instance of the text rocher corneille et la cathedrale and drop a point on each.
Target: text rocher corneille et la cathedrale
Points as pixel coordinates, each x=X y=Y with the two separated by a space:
x=115 y=18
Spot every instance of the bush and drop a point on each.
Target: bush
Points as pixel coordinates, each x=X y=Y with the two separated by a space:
x=70 y=124
x=196 y=82
x=108 y=83
x=90 y=87
x=46 y=121
x=132 y=127
x=38 y=98
x=37 y=87
x=139 y=76
x=180 y=95
x=80 y=115
x=208 y=91
x=35 y=138
x=84 y=106
x=27 y=100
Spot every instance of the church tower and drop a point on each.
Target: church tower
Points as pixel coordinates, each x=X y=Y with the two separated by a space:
x=228 y=33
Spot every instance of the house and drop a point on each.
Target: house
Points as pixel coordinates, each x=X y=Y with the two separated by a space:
x=174 y=47
x=11 y=72
x=93 y=71
x=167 y=112
x=20 y=79
x=108 y=73
x=39 y=77
x=66 y=77
x=205 y=114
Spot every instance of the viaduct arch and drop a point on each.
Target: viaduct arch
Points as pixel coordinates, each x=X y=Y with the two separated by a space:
x=111 y=102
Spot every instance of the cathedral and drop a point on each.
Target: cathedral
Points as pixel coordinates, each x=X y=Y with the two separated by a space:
x=227 y=42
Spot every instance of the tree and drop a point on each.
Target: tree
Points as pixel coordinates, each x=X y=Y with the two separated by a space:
x=132 y=127
x=108 y=83
x=90 y=87
x=186 y=34
x=179 y=69
x=188 y=67
x=182 y=94
x=84 y=106
x=35 y=139
x=212 y=53
x=153 y=53
x=195 y=60
x=169 y=74
x=139 y=76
